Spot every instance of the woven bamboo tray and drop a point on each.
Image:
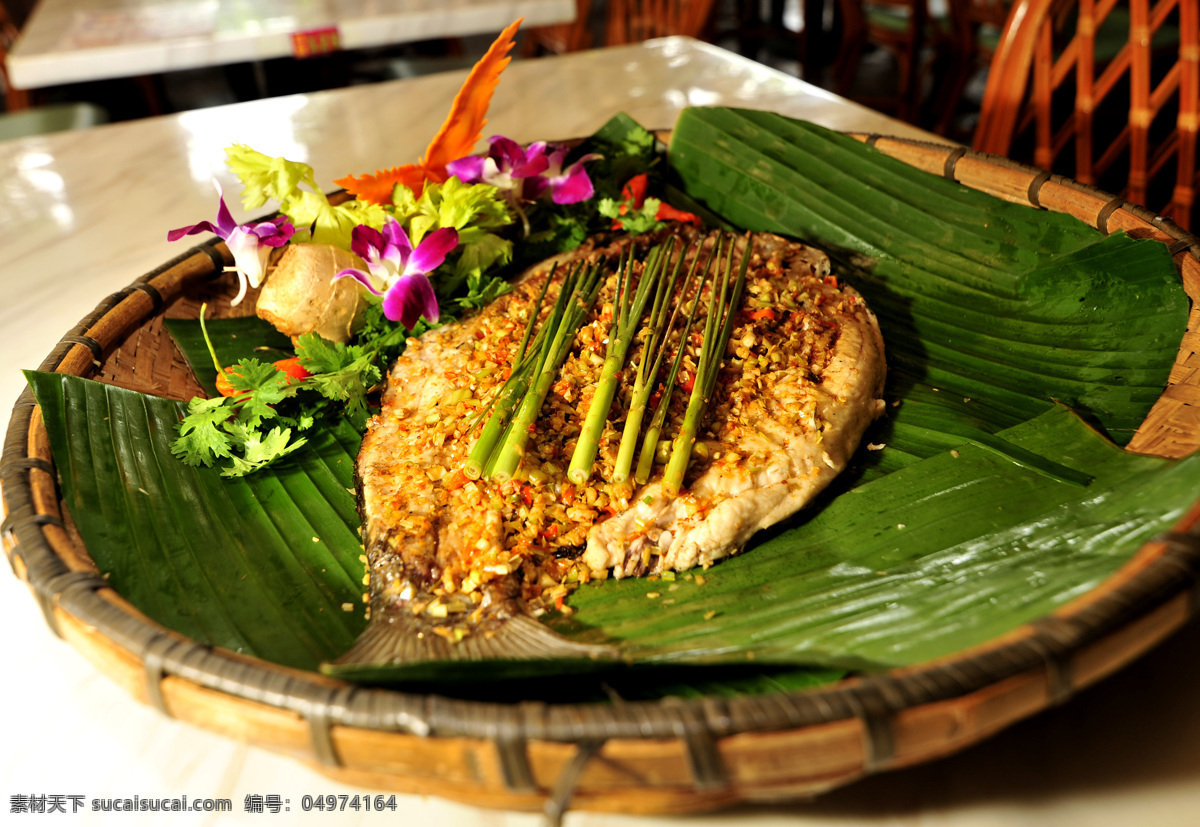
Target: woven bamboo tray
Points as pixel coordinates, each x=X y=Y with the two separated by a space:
x=639 y=757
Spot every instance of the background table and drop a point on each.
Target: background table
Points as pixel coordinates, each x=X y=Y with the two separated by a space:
x=66 y=41
x=85 y=213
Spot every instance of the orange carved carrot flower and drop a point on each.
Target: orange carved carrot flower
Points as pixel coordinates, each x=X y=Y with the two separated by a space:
x=457 y=137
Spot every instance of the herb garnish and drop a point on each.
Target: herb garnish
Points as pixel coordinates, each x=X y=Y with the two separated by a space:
x=266 y=409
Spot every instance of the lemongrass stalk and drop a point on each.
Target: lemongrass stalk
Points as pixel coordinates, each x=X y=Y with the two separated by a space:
x=650 y=442
x=554 y=351
x=730 y=312
x=717 y=329
x=502 y=407
x=489 y=467
x=589 y=436
x=509 y=394
x=628 y=307
x=535 y=362
x=527 y=361
x=659 y=329
x=534 y=311
x=681 y=446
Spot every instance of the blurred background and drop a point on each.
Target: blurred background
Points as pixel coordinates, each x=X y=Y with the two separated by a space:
x=1104 y=91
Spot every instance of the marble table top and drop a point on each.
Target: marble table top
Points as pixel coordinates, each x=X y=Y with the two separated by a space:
x=67 y=41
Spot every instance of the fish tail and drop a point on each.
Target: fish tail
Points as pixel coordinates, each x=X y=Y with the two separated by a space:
x=398 y=637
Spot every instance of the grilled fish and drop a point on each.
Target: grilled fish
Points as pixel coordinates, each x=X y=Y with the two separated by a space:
x=459 y=567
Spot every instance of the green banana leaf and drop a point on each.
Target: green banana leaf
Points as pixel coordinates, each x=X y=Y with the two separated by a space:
x=924 y=562
x=989 y=505
x=268 y=565
x=937 y=556
x=232 y=340
x=1008 y=306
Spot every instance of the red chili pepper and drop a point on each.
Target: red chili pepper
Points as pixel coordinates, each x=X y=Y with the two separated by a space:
x=527 y=495
x=568 y=493
x=668 y=213
x=223 y=386
x=634 y=193
x=290 y=366
x=635 y=189
x=766 y=313
x=293 y=369
x=687 y=381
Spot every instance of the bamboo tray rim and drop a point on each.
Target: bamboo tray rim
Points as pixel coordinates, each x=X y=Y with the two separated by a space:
x=1164 y=572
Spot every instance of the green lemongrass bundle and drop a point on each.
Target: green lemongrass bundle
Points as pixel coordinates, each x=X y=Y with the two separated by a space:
x=659 y=418
x=722 y=306
x=575 y=300
x=628 y=306
x=511 y=392
x=654 y=349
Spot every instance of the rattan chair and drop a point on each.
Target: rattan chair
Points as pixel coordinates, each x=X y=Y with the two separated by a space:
x=1077 y=91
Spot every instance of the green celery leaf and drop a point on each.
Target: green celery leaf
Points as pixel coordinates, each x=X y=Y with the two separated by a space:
x=265 y=178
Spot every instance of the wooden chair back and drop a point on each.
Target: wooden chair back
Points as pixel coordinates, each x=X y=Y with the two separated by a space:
x=632 y=21
x=17 y=11
x=906 y=30
x=975 y=27
x=1123 y=119
x=561 y=38
x=625 y=21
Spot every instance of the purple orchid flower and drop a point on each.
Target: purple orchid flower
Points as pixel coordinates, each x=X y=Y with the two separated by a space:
x=250 y=243
x=398 y=272
x=527 y=173
x=567 y=186
x=506 y=165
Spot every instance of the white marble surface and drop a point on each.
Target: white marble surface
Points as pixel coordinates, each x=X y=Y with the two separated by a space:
x=83 y=214
x=66 y=41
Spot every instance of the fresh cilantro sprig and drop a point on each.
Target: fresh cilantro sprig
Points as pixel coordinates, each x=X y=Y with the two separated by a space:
x=633 y=219
x=267 y=409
